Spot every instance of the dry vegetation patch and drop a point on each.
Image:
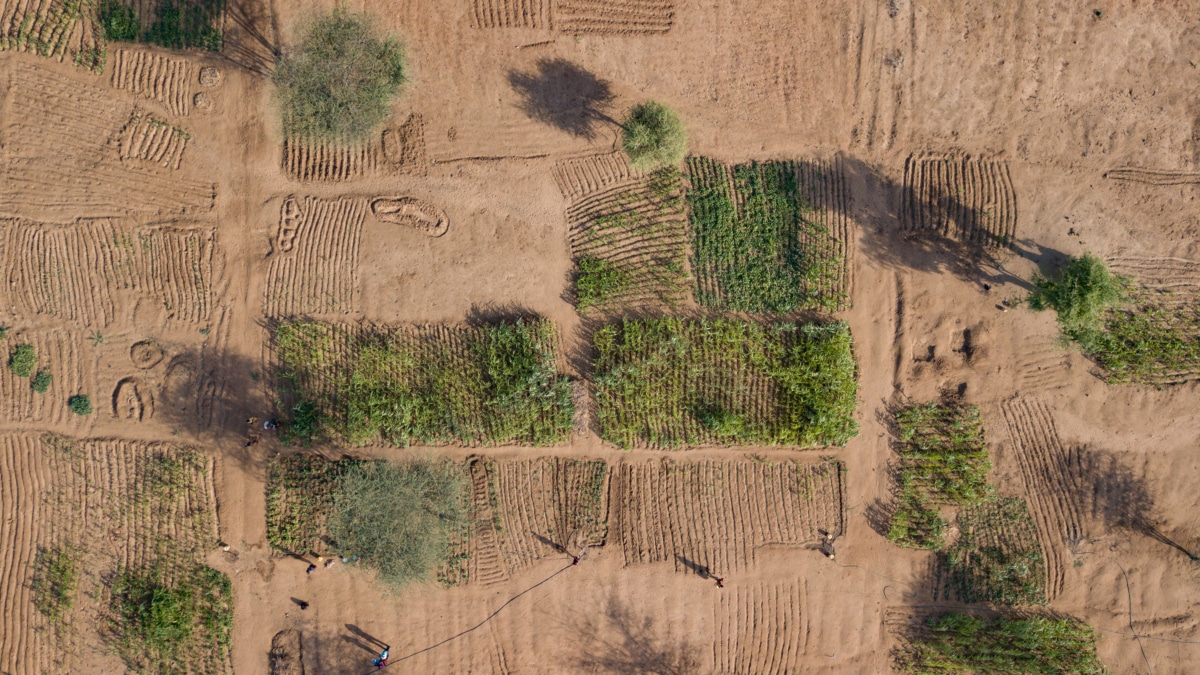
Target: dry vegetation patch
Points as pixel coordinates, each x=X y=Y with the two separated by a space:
x=492 y=384
x=675 y=382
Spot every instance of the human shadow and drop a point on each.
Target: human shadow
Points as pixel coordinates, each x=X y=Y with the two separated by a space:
x=618 y=640
x=376 y=643
x=565 y=96
x=699 y=570
x=549 y=542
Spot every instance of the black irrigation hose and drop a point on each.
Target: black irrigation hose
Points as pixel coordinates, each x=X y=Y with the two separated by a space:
x=476 y=626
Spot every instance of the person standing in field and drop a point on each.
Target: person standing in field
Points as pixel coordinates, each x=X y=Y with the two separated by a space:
x=381 y=660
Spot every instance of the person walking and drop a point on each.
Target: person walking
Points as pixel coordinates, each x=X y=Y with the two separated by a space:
x=381 y=660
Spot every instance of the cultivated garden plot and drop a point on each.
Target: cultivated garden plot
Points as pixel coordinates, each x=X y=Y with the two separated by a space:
x=108 y=541
x=61 y=31
x=358 y=384
x=508 y=514
x=670 y=383
x=629 y=244
x=996 y=558
x=770 y=236
x=968 y=198
x=998 y=644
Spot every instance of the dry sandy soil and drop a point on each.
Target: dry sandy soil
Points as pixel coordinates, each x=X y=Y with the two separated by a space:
x=1055 y=99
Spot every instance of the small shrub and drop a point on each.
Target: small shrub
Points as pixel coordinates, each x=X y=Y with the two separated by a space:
x=1000 y=646
x=55 y=578
x=159 y=623
x=22 y=360
x=80 y=404
x=653 y=136
x=399 y=518
x=41 y=382
x=3 y=332
x=599 y=281
x=1084 y=288
x=340 y=78
x=119 y=22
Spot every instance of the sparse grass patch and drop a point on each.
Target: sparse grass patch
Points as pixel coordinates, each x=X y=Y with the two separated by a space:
x=996 y=557
x=955 y=643
x=943 y=460
x=672 y=382
x=758 y=243
x=162 y=622
x=630 y=244
x=653 y=136
x=80 y=404
x=492 y=384
x=22 y=360
x=339 y=79
x=55 y=579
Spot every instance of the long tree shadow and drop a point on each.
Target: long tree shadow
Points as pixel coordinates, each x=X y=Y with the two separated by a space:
x=617 y=640
x=252 y=35
x=565 y=96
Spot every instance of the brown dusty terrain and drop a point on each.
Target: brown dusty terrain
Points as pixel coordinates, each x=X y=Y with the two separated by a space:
x=1079 y=131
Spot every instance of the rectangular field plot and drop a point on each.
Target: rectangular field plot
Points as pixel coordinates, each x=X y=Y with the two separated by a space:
x=620 y=17
x=314 y=268
x=91 y=530
x=92 y=271
x=968 y=198
x=510 y=14
x=63 y=158
x=520 y=511
x=769 y=237
x=58 y=30
x=72 y=368
x=577 y=177
x=629 y=243
x=665 y=383
x=997 y=557
x=712 y=515
x=493 y=384
x=397 y=150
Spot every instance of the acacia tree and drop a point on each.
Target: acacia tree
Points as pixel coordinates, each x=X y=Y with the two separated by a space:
x=340 y=78
x=653 y=136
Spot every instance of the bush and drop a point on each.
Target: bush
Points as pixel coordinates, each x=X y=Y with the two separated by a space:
x=653 y=136
x=22 y=360
x=41 y=381
x=119 y=22
x=399 y=518
x=1001 y=646
x=1083 y=289
x=159 y=623
x=340 y=79
x=80 y=405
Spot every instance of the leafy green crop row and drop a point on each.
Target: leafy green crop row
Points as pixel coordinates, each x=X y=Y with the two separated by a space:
x=958 y=643
x=674 y=382
x=175 y=24
x=493 y=384
x=997 y=557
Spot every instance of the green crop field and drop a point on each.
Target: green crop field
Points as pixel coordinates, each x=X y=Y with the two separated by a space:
x=959 y=643
x=1152 y=338
x=494 y=384
x=630 y=244
x=996 y=557
x=676 y=382
x=768 y=237
x=943 y=460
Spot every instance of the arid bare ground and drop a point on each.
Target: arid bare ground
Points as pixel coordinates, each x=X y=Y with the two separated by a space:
x=1079 y=120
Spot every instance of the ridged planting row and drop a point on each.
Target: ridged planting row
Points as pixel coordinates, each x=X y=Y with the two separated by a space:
x=971 y=199
x=154 y=141
x=997 y=557
x=640 y=230
x=52 y=28
x=26 y=639
x=398 y=150
x=761 y=628
x=1173 y=275
x=510 y=13
x=821 y=199
x=550 y=506
x=715 y=514
x=72 y=368
x=1153 y=176
x=620 y=17
x=1051 y=486
x=315 y=270
x=580 y=176
x=160 y=78
x=82 y=272
x=59 y=160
